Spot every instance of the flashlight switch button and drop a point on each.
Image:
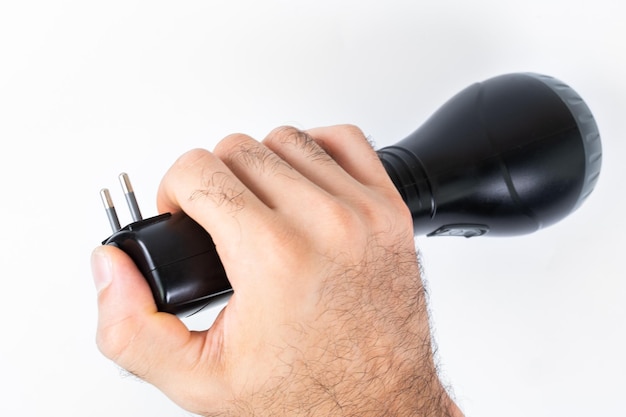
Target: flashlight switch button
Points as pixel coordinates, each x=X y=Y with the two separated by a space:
x=461 y=230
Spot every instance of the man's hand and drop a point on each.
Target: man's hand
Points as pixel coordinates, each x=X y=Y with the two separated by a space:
x=328 y=316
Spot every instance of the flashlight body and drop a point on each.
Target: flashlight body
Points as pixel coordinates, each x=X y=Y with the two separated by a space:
x=504 y=157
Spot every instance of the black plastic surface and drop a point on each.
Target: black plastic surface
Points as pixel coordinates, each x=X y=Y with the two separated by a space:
x=178 y=259
x=515 y=153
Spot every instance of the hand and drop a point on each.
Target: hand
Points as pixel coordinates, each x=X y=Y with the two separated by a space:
x=328 y=315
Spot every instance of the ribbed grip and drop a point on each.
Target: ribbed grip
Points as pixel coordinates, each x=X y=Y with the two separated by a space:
x=407 y=173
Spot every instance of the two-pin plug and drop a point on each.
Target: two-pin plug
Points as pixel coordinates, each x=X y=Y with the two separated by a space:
x=176 y=256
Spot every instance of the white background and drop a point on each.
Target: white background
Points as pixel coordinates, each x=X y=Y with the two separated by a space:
x=525 y=326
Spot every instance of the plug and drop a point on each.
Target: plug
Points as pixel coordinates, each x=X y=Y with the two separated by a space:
x=175 y=255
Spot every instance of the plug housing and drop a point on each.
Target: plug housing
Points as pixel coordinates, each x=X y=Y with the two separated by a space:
x=176 y=256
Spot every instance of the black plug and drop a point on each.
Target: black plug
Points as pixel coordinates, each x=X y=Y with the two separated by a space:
x=176 y=256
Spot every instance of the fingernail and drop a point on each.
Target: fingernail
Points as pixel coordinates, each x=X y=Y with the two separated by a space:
x=101 y=268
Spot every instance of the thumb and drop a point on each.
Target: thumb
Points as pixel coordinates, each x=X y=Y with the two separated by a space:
x=152 y=345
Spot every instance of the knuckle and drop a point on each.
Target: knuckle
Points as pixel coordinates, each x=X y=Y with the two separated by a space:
x=341 y=220
x=400 y=209
x=242 y=150
x=351 y=130
x=354 y=132
x=283 y=134
x=231 y=145
x=383 y=213
x=391 y=209
x=191 y=158
x=286 y=138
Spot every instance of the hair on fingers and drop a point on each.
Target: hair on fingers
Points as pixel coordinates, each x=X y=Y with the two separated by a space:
x=300 y=140
x=221 y=188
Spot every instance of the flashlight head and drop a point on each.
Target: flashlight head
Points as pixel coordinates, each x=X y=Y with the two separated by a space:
x=507 y=156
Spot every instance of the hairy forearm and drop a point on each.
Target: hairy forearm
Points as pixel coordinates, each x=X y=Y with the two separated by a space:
x=379 y=365
x=382 y=392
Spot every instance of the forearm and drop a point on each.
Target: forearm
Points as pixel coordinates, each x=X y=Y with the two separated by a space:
x=379 y=392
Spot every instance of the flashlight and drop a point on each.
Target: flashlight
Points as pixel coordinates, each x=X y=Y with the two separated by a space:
x=504 y=157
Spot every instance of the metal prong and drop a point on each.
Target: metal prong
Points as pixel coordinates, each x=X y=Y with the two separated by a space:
x=110 y=209
x=130 y=197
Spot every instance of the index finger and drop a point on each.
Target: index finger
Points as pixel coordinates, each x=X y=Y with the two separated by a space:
x=201 y=185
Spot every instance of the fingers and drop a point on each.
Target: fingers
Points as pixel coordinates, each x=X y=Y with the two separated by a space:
x=272 y=178
x=305 y=155
x=291 y=178
x=337 y=159
x=203 y=186
x=157 y=347
x=323 y=154
x=350 y=149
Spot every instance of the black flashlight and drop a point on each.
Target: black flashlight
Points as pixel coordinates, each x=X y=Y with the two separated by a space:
x=504 y=157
